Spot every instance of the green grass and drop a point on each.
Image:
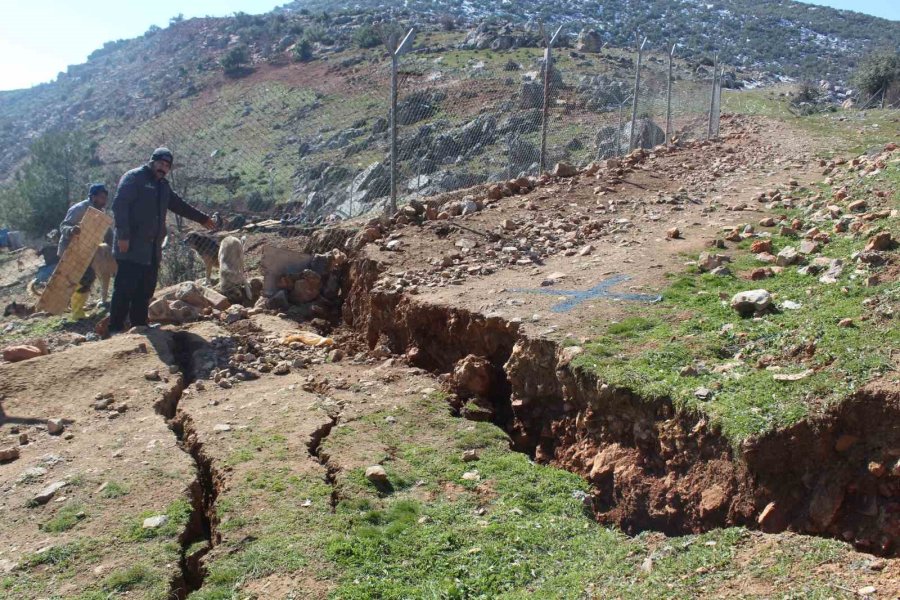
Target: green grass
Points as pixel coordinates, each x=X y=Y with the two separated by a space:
x=65 y=518
x=840 y=132
x=694 y=326
x=114 y=489
x=179 y=513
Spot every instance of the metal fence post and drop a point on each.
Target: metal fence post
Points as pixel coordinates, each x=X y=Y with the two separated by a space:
x=669 y=99
x=396 y=51
x=712 y=98
x=393 y=205
x=619 y=127
x=637 y=86
x=548 y=70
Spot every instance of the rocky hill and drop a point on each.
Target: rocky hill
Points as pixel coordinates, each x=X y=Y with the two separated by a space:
x=289 y=108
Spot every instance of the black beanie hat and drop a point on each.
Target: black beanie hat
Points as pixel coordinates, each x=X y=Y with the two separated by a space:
x=162 y=154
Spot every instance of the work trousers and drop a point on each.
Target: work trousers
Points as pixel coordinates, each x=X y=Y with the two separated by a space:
x=132 y=290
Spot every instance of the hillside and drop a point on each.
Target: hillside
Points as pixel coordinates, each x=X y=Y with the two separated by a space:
x=281 y=129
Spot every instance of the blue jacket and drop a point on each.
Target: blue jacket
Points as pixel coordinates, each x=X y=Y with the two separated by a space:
x=140 y=208
x=73 y=218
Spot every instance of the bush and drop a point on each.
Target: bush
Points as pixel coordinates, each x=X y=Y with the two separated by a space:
x=366 y=37
x=877 y=72
x=236 y=59
x=303 y=51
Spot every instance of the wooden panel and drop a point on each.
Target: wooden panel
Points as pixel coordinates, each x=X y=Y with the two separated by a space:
x=74 y=262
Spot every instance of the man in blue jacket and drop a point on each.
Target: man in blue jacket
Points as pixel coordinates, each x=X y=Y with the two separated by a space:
x=142 y=202
x=71 y=227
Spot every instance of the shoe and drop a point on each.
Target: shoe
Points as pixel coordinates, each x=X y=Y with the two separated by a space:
x=79 y=299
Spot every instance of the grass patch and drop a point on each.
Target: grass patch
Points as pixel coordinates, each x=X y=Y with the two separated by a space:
x=737 y=358
x=65 y=519
x=178 y=512
x=114 y=489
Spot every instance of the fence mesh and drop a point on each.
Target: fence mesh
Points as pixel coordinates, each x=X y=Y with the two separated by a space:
x=280 y=151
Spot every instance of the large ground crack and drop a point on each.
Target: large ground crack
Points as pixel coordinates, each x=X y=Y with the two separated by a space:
x=199 y=536
x=650 y=466
x=320 y=456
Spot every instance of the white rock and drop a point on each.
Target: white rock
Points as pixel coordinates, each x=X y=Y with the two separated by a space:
x=154 y=522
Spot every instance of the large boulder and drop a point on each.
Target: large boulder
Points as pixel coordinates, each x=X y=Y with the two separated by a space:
x=589 y=41
x=752 y=302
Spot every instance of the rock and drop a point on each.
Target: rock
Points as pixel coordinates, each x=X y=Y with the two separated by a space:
x=155 y=522
x=767 y=222
x=708 y=262
x=589 y=41
x=787 y=256
x=826 y=502
x=152 y=375
x=282 y=368
x=376 y=474
x=472 y=376
x=867 y=590
x=553 y=279
x=22 y=352
x=471 y=476
x=564 y=170
x=55 y=426
x=712 y=500
x=673 y=234
x=761 y=246
x=307 y=288
x=845 y=323
x=587 y=250
x=44 y=496
x=793 y=376
x=336 y=355
x=688 y=371
x=834 y=271
x=877 y=469
x=808 y=247
x=857 y=206
x=772 y=519
x=221 y=427
x=751 y=302
x=9 y=454
x=470 y=455
x=881 y=241
x=761 y=273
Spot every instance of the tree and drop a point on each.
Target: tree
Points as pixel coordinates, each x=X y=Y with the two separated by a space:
x=236 y=59
x=303 y=51
x=877 y=72
x=55 y=176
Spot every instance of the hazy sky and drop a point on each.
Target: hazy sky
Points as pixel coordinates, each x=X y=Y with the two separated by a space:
x=40 y=38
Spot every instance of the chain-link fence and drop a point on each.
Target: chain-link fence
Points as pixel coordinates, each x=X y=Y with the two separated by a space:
x=280 y=153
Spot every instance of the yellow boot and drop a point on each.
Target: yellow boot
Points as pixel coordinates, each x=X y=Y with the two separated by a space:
x=79 y=299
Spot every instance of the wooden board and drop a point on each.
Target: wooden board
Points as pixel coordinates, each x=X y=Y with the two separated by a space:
x=74 y=262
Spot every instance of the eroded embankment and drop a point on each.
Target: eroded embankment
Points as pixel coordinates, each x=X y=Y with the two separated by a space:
x=199 y=535
x=650 y=465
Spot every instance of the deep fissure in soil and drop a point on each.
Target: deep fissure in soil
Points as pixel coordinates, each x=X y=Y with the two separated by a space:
x=650 y=466
x=320 y=456
x=199 y=536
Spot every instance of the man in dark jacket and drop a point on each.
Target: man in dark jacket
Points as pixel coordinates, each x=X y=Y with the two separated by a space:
x=142 y=201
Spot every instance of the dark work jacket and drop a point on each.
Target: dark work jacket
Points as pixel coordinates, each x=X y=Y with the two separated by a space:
x=140 y=209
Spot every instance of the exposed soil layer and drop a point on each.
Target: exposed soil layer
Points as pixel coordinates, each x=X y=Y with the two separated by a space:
x=651 y=466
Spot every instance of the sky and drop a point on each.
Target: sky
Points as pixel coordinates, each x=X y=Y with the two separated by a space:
x=40 y=38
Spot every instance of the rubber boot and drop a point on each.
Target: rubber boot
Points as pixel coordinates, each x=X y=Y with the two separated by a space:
x=79 y=299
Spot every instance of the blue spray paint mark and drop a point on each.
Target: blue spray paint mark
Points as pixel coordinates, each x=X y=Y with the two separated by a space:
x=601 y=290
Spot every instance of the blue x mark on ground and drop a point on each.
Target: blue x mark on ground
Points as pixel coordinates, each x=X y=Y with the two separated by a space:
x=601 y=290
